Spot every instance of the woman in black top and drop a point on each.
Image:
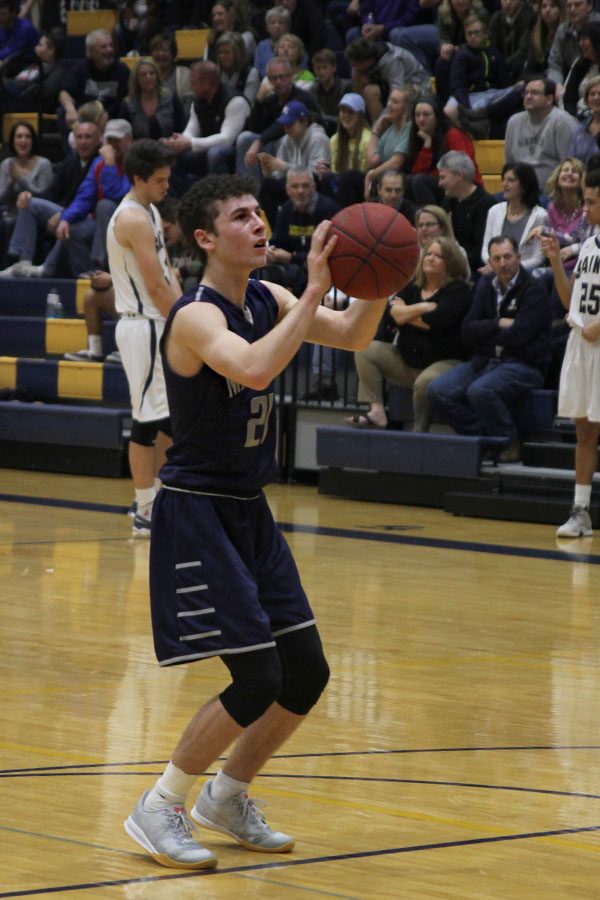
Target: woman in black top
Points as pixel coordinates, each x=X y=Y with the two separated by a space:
x=427 y=313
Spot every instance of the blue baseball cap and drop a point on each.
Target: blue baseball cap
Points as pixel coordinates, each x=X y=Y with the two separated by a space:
x=293 y=111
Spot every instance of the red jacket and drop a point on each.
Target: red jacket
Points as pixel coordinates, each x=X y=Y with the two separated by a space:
x=455 y=140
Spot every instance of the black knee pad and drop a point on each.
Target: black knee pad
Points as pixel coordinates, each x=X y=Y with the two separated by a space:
x=144 y=433
x=305 y=669
x=256 y=684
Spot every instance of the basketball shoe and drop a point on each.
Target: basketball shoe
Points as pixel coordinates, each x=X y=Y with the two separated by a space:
x=167 y=835
x=579 y=524
x=142 y=523
x=240 y=818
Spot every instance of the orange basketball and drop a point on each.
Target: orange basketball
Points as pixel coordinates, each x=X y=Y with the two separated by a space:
x=376 y=251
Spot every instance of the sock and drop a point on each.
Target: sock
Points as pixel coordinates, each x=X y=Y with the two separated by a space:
x=157 y=484
x=583 y=494
x=145 y=498
x=222 y=787
x=95 y=344
x=172 y=787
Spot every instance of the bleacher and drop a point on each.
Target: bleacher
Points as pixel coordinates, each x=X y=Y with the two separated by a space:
x=57 y=415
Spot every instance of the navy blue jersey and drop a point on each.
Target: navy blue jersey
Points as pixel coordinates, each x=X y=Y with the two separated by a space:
x=223 y=432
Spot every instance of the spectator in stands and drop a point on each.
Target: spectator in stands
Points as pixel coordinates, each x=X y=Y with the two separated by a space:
x=236 y=72
x=42 y=213
x=163 y=50
x=295 y=224
x=277 y=22
x=585 y=138
x=550 y=16
x=328 y=88
x=153 y=110
x=510 y=32
x=23 y=172
x=432 y=135
x=433 y=221
x=290 y=47
x=507 y=329
x=578 y=392
x=83 y=223
x=478 y=76
x=378 y=67
x=137 y=24
x=226 y=15
x=421 y=37
x=308 y=22
x=428 y=313
x=38 y=84
x=541 y=135
x=305 y=144
x=216 y=118
x=407 y=24
x=565 y=46
x=98 y=77
x=264 y=130
x=566 y=213
x=450 y=24
x=466 y=202
x=343 y=176
x=582 y=71
x=18 y=38
x=388 y=145
x=519 y=216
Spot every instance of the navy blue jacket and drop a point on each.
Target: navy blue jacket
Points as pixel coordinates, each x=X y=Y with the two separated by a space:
x=528 y=340
x=477 y=70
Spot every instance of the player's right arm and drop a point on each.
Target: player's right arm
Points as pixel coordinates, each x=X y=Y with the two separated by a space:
x=551 y=250
x=199 y=333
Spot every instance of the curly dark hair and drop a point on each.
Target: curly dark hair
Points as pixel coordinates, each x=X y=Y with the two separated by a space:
x=198 y=207
x=144 y=157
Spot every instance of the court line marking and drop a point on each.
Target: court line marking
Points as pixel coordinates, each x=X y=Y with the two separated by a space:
x=298 y=887
x=324 y=754
x=314 y=860
x=326 y=531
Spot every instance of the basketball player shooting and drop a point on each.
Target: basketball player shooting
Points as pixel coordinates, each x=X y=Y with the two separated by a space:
x=222 y=578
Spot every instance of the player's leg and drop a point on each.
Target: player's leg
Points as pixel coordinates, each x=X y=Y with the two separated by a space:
x=579 y=522
x=96 y=303
x=224 y=804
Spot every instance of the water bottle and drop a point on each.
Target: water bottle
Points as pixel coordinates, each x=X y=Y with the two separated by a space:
x=54 y=307
x=370 y=19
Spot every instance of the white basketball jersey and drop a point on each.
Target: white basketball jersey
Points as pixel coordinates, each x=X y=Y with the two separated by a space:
x=131 y=293
x=585 y=296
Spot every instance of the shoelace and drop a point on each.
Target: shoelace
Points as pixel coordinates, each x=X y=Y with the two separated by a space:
x=251 y=814
x=180 y=823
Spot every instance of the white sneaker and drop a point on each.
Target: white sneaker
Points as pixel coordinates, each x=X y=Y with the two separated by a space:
x=26 y=269
x=82 y=356
x=579 y=524
x=167 y=835
x=114 y=357
x=142 y=524
x=240 y=818
x=8 y=272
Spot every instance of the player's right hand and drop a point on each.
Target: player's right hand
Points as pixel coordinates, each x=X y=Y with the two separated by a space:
x=321 y=247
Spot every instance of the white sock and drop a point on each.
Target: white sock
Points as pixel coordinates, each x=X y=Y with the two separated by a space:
x=173 y=786
x=583 y=495
x=157 y=485
x=95 y=344
x=145 y=498
x=222 y=787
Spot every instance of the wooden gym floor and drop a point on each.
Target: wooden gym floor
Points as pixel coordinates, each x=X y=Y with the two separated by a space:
x=456 y=753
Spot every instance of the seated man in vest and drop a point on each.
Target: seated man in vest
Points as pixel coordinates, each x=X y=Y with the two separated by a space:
x=216 y=119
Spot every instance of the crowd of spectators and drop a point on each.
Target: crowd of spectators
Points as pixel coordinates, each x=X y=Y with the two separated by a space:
x=327 y=103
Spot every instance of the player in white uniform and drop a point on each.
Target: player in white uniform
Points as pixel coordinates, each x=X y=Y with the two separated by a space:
x=579 y=392
x=145 y=289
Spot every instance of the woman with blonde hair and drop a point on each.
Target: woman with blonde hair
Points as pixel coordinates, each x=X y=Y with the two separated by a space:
x=154 y=110
x=432 y=221
x=566 y=213
x=388 y=147
x=291 y=47
x=428 y=313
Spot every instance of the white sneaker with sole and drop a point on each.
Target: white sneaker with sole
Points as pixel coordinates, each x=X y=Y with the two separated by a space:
x=240 y=818
x=82 y=356
x=579 y=524
x=142 y=524
x=167 y=835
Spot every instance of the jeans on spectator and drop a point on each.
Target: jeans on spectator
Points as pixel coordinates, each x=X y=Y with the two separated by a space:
x=86 y=247
x=29 y=221
x=479 y=402
x=422 y=41
x=482 y=99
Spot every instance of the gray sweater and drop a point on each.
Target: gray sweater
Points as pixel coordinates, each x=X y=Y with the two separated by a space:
x=37 y=180
x=313 y=147
x=543 y=145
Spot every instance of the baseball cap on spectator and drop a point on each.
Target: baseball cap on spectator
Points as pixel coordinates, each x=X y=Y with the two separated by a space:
x=117 y=128
x=293 y=111
x=354 y=102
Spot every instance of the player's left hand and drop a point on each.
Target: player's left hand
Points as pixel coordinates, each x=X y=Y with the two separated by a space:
x=321 y=246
